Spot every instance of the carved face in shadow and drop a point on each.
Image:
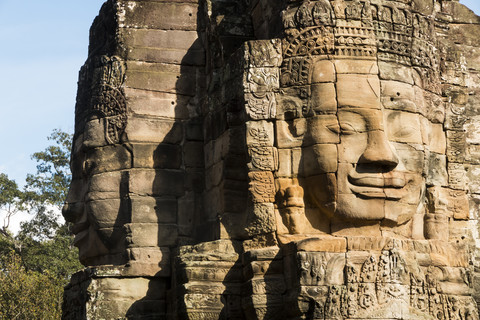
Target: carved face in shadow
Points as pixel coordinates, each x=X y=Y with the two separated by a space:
x=362 y=143
x=96 y=203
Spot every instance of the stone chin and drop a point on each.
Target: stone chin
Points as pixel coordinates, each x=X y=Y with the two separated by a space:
x=352 y=207
x=323 y=193
x=89 y=245
x=99 y=247
x=395 y=205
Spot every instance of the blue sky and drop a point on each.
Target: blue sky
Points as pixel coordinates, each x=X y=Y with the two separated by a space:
x=44 y=43
x=472 y=4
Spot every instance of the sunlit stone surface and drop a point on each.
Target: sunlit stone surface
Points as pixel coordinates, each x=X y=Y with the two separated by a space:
x=274 y=159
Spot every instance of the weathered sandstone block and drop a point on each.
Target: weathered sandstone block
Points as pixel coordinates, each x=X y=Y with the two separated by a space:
x=277 y=160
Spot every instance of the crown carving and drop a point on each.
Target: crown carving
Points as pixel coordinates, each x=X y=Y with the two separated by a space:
x=389 y=31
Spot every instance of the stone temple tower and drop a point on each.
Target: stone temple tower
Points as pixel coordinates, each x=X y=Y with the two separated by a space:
x=277 y=159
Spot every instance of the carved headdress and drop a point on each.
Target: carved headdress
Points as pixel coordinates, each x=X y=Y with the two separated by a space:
x=101 y=94
x=390 y=31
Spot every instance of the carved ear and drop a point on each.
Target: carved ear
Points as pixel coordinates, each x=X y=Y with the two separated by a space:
x=291 y=124
x=289 y=105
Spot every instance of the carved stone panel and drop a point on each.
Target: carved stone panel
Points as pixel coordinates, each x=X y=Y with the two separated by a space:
x=304 y=159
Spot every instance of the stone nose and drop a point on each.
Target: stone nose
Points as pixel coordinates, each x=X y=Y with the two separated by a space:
x=73 y=207
x=72 y=211
x=379 y=151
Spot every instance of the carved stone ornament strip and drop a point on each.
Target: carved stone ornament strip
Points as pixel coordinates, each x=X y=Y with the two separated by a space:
x=101 y=94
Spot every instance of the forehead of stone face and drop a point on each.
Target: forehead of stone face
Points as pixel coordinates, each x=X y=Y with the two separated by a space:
x=358 y=90
x=344 y=83
x=94 y=133
x=92 y=154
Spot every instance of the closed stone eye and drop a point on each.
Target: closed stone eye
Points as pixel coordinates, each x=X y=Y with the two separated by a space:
x=344 y=128
x=334 y=128
x=404 y=132
x=88 y=167
x=347 y=129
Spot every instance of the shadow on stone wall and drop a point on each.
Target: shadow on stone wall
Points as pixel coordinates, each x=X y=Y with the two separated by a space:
x=179 y=176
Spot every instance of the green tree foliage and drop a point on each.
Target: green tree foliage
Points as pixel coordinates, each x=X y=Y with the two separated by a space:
x=10 y=201
x=47 y=246
x=26 y=294
x=50 y=184
x=36 y=263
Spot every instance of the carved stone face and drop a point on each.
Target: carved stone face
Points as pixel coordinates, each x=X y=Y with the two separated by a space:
x=96 y=203
x=363 y=143
x=97 y=200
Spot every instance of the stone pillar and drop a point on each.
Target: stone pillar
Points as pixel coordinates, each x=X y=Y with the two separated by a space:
x=138 y=156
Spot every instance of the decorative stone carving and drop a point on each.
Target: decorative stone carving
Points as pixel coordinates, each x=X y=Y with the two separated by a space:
x=105 y=77
x=263 y=158
x=326 y=171
x=261 y=102
x=262 y=186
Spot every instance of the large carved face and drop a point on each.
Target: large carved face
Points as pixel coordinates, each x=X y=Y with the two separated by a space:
x=363 y=142
x=96 y=203
x=97 y=200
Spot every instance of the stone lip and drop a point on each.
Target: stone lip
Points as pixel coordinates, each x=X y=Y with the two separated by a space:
x=390 y=185
x=80 y=233
x=377 y=180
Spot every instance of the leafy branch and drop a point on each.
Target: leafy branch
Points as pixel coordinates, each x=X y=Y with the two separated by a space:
x=37 y=262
